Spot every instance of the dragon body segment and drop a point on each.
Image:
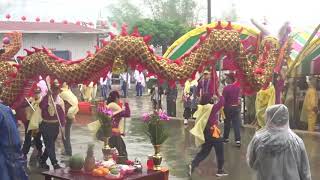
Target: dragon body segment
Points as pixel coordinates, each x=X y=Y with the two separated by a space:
x=131 y=50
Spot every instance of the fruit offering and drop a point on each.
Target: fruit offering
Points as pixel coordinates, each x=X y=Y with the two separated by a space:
x=89 y=163
x=114 y=173
x=108 y=163
x=76 y=162
x=100 y=171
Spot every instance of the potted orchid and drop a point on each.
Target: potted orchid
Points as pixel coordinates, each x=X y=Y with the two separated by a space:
x=155 y=130
x=104 y=115
x=154 y=126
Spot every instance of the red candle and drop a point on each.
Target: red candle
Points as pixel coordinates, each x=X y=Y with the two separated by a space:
x=150 y=162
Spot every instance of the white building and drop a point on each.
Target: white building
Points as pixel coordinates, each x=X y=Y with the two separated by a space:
x=66 y=40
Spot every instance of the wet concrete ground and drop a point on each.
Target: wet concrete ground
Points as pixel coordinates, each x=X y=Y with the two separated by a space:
x=179 y=149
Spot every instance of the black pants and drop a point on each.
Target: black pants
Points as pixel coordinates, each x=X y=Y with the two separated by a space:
x=171 y=108
x=139 y=89
x=118 y=143
x=156 y=105
x=193 y=110
x=210 y=142
x=50 y=132
x=187 y=113
x=27 y=141
x=104 y=91
x=124 y=88
x=232 y=116
x=66 y=141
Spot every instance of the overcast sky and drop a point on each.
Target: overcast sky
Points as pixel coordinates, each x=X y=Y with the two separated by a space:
x=298 y=12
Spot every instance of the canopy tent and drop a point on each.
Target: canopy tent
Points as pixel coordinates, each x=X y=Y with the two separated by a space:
x=249 y=38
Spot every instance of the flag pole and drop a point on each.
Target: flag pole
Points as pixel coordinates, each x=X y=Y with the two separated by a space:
x=127 y=82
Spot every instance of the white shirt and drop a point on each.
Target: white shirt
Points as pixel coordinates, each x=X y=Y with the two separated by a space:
x=124 y=76
x=139 y=77
x=105 y=81
x=43 y=86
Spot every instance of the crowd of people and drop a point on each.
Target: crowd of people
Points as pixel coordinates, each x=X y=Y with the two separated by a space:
x=45 y=115
x=274 y=151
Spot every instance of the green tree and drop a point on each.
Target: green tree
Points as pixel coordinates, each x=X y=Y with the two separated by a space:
x=170 y=19
x=163 y=32
x=124 y=12
x=179 y=10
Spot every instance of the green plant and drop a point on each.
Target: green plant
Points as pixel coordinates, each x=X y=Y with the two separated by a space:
x=104 y=115
x=155 y=127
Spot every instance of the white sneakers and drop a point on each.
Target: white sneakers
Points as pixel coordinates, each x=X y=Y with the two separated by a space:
x=238 y=143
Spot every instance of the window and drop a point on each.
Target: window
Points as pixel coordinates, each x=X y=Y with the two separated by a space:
x=64 y=54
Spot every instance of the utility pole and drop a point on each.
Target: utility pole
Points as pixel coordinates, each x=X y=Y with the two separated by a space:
x=209 y=11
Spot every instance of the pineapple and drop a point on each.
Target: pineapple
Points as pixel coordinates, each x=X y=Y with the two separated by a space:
x=90 y=162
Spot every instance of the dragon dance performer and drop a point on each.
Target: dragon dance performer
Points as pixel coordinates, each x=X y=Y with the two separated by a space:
x=265 y=98
x=172 y=94
x=279 y=86
x=206 y=133
x=12 y=163
x=32 y=125
x=49 y=127
x=71 y=109
x=206 y=85
x=232 y=108
x=117 y=123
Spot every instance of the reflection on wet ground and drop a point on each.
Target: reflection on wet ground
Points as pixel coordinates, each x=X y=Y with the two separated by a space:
x=179 y=149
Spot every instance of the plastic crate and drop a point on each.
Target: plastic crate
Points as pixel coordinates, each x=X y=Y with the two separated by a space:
x=85 y=108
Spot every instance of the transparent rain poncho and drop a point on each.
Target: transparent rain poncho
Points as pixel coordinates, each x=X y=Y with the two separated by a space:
x=276 y=152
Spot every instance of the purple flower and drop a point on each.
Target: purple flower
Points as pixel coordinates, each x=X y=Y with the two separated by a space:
x=146 y=117
x=109 y=112
x=163 y=116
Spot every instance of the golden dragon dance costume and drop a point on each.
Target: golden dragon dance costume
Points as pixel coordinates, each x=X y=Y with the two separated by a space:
x=310 y=103
x=265 y=98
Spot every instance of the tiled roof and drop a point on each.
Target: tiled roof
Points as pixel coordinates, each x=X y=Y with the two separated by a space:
x=45 y=27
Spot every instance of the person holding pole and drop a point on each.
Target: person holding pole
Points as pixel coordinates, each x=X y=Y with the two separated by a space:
x=232 y=108
x=53 y=115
